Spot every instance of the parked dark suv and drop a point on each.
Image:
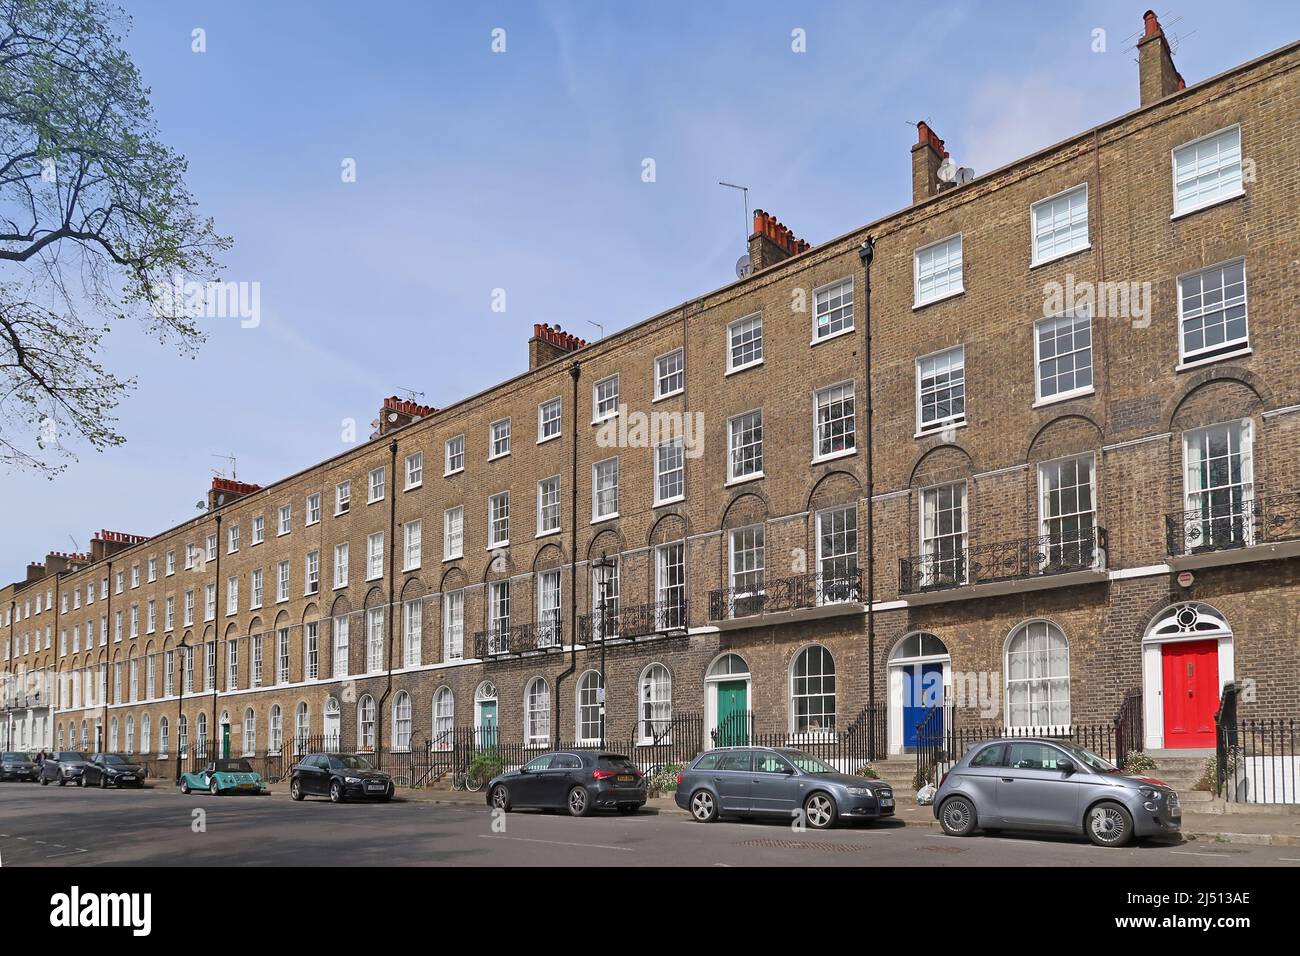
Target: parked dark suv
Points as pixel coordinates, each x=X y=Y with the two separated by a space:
x=340 y=777
x=17 y=766
x=577 y=780
x=66 y=766
x=112 y=770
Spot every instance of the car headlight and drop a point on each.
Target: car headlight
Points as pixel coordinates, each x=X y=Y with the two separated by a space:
x=1151 y=793
x=351 y=779
x=860 y=791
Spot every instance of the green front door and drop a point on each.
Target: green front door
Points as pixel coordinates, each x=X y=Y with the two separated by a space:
x=733 y=719
x=225 y=740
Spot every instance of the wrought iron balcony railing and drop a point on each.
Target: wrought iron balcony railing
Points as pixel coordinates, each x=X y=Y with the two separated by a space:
x=1004 y=561
x=786 y=594
x=637 y=620
x=1234 y=524
x=547 y=634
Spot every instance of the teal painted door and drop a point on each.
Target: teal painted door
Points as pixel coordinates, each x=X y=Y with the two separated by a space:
x=733 y=707
x=487 y=723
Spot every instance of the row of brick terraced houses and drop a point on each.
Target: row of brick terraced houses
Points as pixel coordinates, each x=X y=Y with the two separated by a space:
x=1085 y=396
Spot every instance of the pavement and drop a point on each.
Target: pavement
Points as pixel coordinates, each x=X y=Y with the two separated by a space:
x=158 y=826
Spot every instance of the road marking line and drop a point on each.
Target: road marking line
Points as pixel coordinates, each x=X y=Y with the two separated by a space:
x=1194 y=853
x=1289 y=859
x=593 y=846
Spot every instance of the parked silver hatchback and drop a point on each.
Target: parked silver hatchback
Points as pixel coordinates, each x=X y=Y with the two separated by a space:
x=1043 y=784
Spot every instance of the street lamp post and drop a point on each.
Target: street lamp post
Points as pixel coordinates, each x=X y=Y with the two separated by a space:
x=603 y=567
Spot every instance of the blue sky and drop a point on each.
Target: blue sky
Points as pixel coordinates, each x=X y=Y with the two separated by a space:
x=522 y=171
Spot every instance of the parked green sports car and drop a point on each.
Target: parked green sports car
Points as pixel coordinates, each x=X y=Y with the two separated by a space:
x=224 y=776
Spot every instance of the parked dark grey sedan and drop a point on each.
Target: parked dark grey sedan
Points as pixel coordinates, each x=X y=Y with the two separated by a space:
x=64 y=767
x=112 y=770
x=748 y=781
x=579 y=781
x=1031 y=784
x=17 y=766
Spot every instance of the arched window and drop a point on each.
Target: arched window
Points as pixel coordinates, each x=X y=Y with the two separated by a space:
x=85 y=736
x=162 y=736
x=201 y=730
x=250 y=733
x=366 y=722
x=919 y=644
x=402 y=721
x=275 y=741
x=1038 y=676
x=656 y=711
x=729 y=665
x=146 y=734
x=112 y=734
x=182 y=736
x=589 y=720
x=333 y=725
x=444 y=718
x=812 y=691
x=537 y=712
x=130 y=734
x=60 y=743
x=301 y=728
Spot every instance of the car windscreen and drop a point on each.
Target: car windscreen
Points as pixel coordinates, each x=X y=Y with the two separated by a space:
x=807 y=762
x=234 y=766
x=350 y=762
x=1090 y=759
x=616 y=762
x=111 y=758
x=12 y=758
x=69 y=755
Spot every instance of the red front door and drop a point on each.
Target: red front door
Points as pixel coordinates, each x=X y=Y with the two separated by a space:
x=1191 y=688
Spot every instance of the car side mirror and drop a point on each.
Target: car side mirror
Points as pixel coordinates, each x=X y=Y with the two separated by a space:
x=1065 y=766
x=788 y=771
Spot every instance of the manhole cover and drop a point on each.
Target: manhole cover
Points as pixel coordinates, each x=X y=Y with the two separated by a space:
x=803 y=845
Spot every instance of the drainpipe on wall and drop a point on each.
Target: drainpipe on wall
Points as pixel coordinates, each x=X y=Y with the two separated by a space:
x=216 y=638
x=392 y=597
x=100 y=738
x=575 y=372
x=867 y=253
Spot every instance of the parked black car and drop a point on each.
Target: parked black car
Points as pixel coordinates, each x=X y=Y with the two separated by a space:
x=340 y=777
x=17 y=766
x=577 y=780
x=112 y=770
x=66 y=766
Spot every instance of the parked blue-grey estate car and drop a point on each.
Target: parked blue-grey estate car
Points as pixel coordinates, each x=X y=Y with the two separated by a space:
x=1044 y=784
x=760 y=781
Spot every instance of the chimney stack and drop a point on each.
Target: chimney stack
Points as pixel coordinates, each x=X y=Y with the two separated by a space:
x=225 y=490
x=549 y=343
x=927 y=156
x=1157 y=77
x=772 y=241
x=108 y=543
x=57 y=562
x=398 y=412
x=35 y=571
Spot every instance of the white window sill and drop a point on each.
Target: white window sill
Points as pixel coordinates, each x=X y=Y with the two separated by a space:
x=251 y=607
x=940 y=428
x=818 y=340
x=453 y=557
x=1035 y=263
x=548 y=534
x=337 y=514
x=602 y=518
x=369 y=501
x=497 y=545
x=601 y=421
x=310 y=523
x=545 y=439
x=667 y=395
x=1211 y=359
x=1063 y=397
x=744 y=368
x=278 y=534
x=311 y=593
x=743 y=480
x=504 y=454
x=675 y=499
x=418 y=484
x=374 y=577
x=253 y=545
x=1179 y=214
x=833 y=456
x=940 y=298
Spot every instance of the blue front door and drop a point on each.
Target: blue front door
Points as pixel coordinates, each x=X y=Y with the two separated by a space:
x=922 y=692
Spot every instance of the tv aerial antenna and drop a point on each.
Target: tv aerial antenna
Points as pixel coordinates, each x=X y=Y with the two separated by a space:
x=233 y=462
x=743 y=265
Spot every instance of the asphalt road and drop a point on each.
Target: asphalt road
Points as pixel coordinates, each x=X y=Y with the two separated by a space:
x=52 y=826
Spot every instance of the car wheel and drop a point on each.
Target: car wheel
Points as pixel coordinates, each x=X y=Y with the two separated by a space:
x=336 y=792
x=501 y=798
x=703 y=807
x=81 y=781
x=295 y=789
x=579 y=802
x=1109 y=824
x=45 y=781
x=103 y=783
x=388 y=795
x=185 y=785
x=819 y=811
x=214 y=788
x=957 y=816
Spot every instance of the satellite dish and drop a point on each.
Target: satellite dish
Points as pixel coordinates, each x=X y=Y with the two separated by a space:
x=392 y=416
x=744 y=268
x=947 y=171
x=964 y=175
x=221 y=500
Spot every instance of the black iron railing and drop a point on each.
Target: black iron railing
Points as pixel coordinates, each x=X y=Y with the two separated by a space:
x=1233 y=523
x=1129 y=733
x=633 y=621
x=1004 y=561
x=544 y=635
x=786 y=594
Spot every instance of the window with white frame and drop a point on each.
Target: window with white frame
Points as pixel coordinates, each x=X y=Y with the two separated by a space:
x=412 y=631
x=342 y=497
x=548 y=420
x=232 y=664
x=745 y=445
x=232 y=539
x=498 y=616
x=375 y=639
x=286 y=519
x=162 y=736
x=604 y=489
x=453 y=625
x=313 y=508
x=402 y=722
x=1038 y=676
x=454 y=455
x=655 y=712
x=255 y=671
x=211 y=552
x=537 y=713
x=375 y=556
x=282 y=581
x=1218 y=486
x=341 y=646
x=670 y=373
x=832 y=309
x=604 y=399
x=275 y=731
x=259 y=529
x=1212 y=312
x=837 y=554
x=151 y=576
x=151 y=677
x=135 y=577
x=311 y=573
x=311 y=650
x=250 y=732
x=548 y=608
x=941 y=389
x=1063 y=355
x=670 y=471
x=282 y=656
x=453 y=533
x=170 y=570
x=210 y=659
x=745 y=342
x=151 y=617
x=366 y=722
x=169 y=617
x=670 y=585
x=499 y=520
x=548 y=505
x=812 y=691
x=937 y=270
x=589 y=704
x=444 y=719
x=375 y=485
x=232 y=594
x=414 y=470
x=341 y=565
x=1207 y=170
x=189 y=608
x=1067 y=511
x=412 y=550
x=834 y=425
x=209 y=602
x=1059 y=224
x=747 y=561
x=943 y=535
x=604 y=599
x=187 y=673
x=499 y=439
